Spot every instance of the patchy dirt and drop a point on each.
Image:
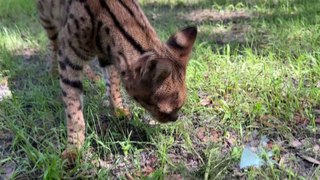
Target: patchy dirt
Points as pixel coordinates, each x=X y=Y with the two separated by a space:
x=202 y=15
x=301 y=155
x=237 y=33
x=235 y=28
x=149 y=158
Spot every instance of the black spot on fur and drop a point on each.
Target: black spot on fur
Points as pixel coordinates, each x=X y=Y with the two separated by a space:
x=62 y=65
x=64 y=93
x=82 y=19
x=72 y=65
x=75 y=84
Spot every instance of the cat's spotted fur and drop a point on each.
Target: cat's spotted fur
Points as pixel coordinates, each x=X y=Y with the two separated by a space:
x=118 y=33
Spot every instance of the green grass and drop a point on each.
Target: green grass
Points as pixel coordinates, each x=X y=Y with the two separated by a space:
x=263 y=81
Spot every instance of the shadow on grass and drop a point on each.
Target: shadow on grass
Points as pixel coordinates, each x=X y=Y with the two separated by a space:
x=35 y=116
x=239 y=28
x=32 y=74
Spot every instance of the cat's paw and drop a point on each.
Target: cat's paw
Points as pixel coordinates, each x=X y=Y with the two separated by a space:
x=70 y=155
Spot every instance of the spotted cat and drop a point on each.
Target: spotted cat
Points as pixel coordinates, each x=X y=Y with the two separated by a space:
x=118 y=33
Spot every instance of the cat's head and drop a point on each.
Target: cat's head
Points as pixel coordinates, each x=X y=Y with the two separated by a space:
x=157 y=81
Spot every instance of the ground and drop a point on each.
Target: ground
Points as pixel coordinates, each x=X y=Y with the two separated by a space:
x=254 y=74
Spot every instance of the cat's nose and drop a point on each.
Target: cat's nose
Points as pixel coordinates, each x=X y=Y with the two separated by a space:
x=173 y=117
x=167 y=117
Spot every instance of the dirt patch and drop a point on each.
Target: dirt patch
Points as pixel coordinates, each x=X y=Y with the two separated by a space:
x=201 y=15
x=233 y=27
x=237 y=33
x=149 y=159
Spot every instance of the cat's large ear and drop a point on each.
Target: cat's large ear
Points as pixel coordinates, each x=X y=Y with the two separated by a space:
x=181 y=43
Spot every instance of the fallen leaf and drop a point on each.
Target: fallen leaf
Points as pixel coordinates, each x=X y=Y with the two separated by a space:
x=201 y=133
x=295 y=143
x=147 y=170
x=214 y=136
x=122 y=164
x=152 y=160
x=230 y=139
x=309 y=159
x=206 y=101
x=129 y=177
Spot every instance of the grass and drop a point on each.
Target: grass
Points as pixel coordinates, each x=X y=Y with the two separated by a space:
x=247 y=77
